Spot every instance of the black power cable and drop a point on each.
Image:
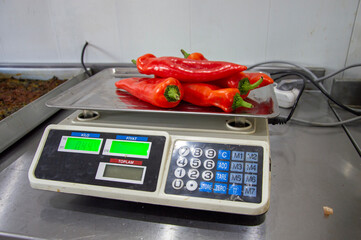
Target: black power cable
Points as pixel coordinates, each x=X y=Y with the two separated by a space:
x=82 y=59
x=326 y=93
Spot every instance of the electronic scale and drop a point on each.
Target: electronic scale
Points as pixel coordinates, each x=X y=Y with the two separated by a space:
x=116 y=146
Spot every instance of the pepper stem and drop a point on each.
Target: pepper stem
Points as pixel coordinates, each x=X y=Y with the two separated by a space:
x=244 y=86
x=239 y=102
x=134 y=61
x=171 y=93
x=185 y=54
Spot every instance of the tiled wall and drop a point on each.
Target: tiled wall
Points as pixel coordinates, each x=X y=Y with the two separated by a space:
x=320 y=33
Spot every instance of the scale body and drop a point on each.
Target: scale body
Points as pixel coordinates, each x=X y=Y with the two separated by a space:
x=210 y=168
x=188 y=157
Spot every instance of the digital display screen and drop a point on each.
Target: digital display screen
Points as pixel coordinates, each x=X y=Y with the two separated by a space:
x=80 y=145
x=130 y=148
x=123 y=172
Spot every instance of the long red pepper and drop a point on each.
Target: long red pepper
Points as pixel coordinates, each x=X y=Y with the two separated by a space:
x=203 y=94
x=244 y=81
x=161 y=92
x=186 y=70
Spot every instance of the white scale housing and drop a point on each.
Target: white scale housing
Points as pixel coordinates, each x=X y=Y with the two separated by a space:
x=193 y=161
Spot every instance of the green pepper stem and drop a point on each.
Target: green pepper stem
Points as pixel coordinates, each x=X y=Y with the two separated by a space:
x=245 y=86
x=185 y=54
x=171 y=93
x=239 y=102
x=134 y=61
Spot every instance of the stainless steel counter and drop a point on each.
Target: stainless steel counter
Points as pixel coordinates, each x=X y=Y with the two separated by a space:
x=312 y=167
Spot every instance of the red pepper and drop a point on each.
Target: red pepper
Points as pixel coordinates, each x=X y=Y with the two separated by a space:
x=253 y=77
x=245 y=82
x=244 y=85
x=186 y=70
x=203 y=94
x=194 y=56
x=161 y=92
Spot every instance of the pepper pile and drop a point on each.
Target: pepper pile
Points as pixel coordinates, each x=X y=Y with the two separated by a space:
x=193 y=79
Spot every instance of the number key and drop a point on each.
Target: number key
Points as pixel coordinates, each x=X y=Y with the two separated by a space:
x=193 y=174
x=195 y=163
x=207 y=175
x=182 y=161
x=209 y=164
x=179 y=172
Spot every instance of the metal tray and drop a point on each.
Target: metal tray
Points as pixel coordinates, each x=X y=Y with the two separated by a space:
x=99 y=93
x=27 y=118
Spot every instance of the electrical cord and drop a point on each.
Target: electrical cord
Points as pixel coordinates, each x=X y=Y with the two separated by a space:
x=324 y=91
x=337 y=72
x=82 y=59
x=314 y=80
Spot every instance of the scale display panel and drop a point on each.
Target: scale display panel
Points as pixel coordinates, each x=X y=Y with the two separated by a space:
x=102 y=158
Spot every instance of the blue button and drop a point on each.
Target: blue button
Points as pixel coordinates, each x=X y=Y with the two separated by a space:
x=205 y=187
x=250 y=179
x=251 y=168
x=237 y=155
x=220 y=188
x=131 y=138
x=252 y=156
x=235 y=190
x=236 y=178
x=223 y=165
x=224 y=154
x=83 y=134
x=250 y=191
x=221 y=177
x=237 y=166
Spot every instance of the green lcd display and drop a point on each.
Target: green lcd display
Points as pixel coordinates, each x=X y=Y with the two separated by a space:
x=82 y=144
x=130 y=148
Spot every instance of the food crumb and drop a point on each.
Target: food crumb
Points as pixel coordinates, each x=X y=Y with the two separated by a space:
x=327 y=211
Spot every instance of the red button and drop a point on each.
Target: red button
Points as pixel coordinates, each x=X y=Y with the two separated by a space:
x=126 y=161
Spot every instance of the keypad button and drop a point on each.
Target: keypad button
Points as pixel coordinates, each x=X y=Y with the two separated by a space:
x=177 y=184
x=182 y=162
x=222 y=176
x=224 y=154
x=191 y=185
x=195 y=163
x=193 y=173
x=209 y=164
x=206 y=187
x=235 y=190
x=251 y=167
x=220 y=188
x=207 y=175
x=250 y=179
x=237 y=155
x=252 y=156
x=184 y=151
x=179 y=172
x=223 y=165
x=236 y=178
x=197 y=152
x=210 y=153
x=250 y=191
x=237 y=166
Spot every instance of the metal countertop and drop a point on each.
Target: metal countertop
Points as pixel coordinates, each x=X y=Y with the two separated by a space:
x=312 y=167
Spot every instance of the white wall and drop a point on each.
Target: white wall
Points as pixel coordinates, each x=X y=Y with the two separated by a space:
x=321 y=33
